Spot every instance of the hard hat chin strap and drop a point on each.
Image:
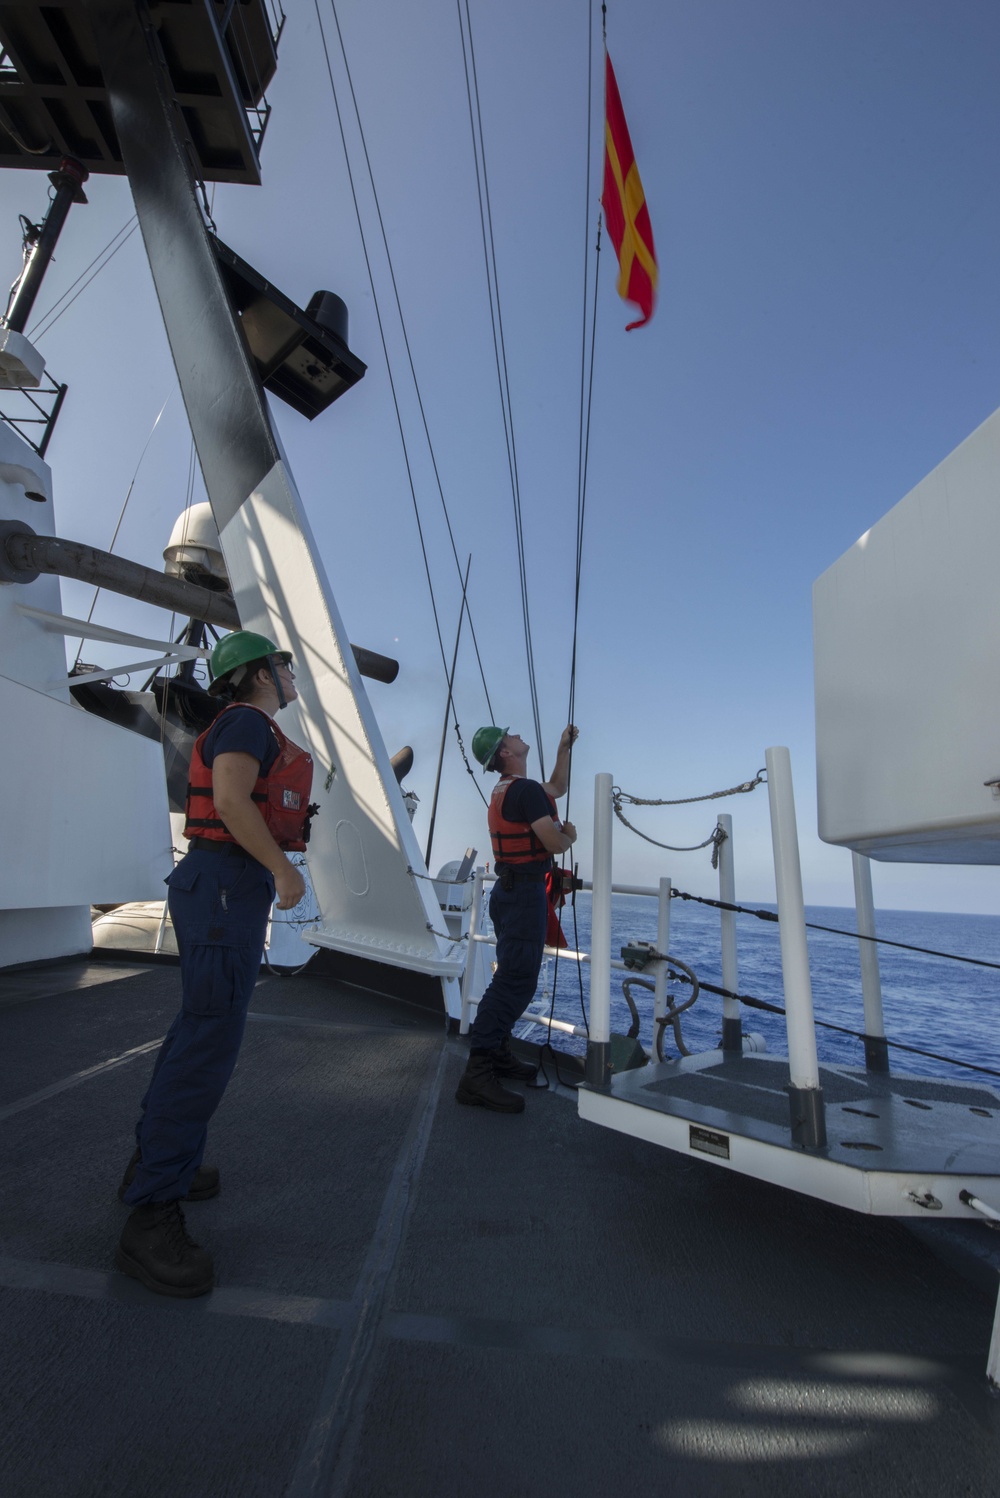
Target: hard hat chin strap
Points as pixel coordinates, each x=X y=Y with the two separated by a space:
x=282 y=699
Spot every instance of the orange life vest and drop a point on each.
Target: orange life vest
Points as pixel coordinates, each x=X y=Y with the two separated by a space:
x=282 y=796
x=513 y=842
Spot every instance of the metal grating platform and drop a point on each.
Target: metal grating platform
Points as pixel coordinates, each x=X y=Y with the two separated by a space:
x=53 y=101
x=906 y=1136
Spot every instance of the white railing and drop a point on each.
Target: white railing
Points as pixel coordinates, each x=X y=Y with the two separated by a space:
x=806 y=1094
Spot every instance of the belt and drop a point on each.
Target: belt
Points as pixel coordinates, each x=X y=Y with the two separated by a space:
x=533 y=873
x=215 y=845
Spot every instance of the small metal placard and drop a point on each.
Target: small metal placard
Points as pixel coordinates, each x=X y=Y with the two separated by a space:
x=709 y=1142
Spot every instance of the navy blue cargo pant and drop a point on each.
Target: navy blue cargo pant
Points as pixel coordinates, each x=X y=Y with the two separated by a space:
x=520 y=917
x=219 y=905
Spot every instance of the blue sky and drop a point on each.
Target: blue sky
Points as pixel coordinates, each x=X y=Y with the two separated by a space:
x=821 y=181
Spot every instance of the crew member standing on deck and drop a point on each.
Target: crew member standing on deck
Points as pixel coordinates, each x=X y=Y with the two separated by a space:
x=247 y=808
x=525 y=834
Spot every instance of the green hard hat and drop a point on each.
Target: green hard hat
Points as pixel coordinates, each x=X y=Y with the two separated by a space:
x=486 y=742
x=239 y=649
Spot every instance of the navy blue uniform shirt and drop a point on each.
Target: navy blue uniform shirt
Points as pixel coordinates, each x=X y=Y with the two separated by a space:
x=525 y=801
x=242 y=730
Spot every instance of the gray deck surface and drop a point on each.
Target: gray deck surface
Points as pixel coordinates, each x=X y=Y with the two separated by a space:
x=915 y=1124
x=419 y=1300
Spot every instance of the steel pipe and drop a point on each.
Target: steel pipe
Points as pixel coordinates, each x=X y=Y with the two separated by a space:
x=599 y=1045
x=475 y=915
x=68 y=182
x=662 y=945
x=876 y=1050
x=732 y=1022
x=556 y=1024
x=28 y=555
x=24 y=556
x=805 y=1093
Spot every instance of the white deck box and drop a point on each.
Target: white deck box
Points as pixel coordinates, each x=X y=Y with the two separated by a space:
x=907 y=660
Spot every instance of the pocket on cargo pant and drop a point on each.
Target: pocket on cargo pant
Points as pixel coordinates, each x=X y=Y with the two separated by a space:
x=220 y=967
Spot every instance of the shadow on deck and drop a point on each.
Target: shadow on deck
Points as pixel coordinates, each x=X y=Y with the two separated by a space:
x=418 y=1300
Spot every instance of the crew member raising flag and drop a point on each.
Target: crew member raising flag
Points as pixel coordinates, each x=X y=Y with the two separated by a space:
x=625 y=213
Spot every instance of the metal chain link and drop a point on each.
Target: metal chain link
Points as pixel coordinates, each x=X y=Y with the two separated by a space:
x=465 y=757
x=456 y=941
x=735 y=790
x=715 y=840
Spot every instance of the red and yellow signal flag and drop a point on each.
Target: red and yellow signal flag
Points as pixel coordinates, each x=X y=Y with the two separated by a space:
x=625 y=213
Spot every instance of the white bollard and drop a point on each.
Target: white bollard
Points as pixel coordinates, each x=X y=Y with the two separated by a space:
x=805 y=1093
x=662 y=945
x=876 y=1050
x=598 y=1070
x=732 y=1023
x=472 y=958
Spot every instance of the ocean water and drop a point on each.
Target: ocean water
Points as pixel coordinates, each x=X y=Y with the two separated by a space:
x=949 y=1007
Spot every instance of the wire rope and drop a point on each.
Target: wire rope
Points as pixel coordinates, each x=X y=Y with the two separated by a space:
x=826 y=1024
x=499 y=348
x=385 y=348
x=583 y=453
x=771 y=915
x=121 y=516
x=52 y=316
x=409 y=353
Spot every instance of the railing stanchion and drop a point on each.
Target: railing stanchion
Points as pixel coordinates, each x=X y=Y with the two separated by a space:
x=662 y=945
x=598 y=1069
x=876 y=1050
x=732 y=1023
x=805 y=1094
x=993 y=1365
x=472 y=956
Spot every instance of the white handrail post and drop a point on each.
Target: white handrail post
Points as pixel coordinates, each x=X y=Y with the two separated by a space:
x=662 y=945
x=598 y=1069
x=993 y=1363
x=805 y=1094
x=472 y=956
x=162 y=928
x=732 y=1023
x=876 y=1050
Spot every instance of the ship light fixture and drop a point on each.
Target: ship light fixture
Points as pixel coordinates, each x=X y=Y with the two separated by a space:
x=301 y=357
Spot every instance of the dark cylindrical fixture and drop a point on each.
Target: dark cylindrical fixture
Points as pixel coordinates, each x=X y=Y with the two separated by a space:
x=876 y=1053
x=402 y=763
x=597 y=1067
x=24 y=556
x=330 y=311
x=68 y=183
x=808 y=1116
x=30 y=555
x=376 y=667
x=732 y=1035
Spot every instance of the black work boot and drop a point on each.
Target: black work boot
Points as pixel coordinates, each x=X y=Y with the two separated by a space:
x=205 y=1184
x=511 y=1068
x=155 y=1249
x=480 y=1088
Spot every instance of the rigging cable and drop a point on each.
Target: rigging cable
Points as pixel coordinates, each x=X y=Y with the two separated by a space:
x=771 y=915
x=52 y=316
x=583 y=454
x=385 y=349
x=499 y=349
x=825 y=1024
x=406 y=345
x=121 y=517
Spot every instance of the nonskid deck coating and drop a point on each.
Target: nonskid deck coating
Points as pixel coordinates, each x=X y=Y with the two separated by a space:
x=875 y=1119
x=421 y=1299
